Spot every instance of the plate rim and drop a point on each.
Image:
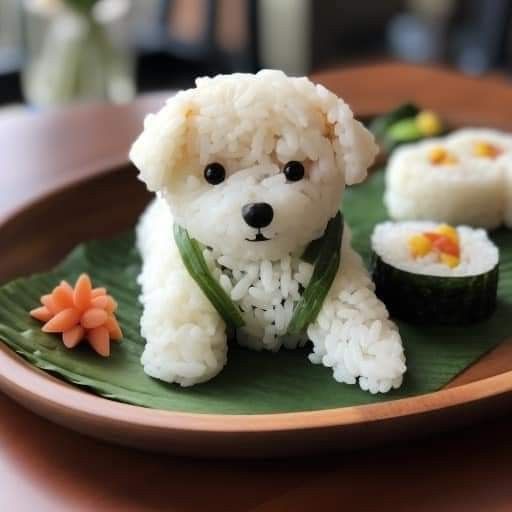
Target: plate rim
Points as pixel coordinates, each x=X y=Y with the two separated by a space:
x=19 y=378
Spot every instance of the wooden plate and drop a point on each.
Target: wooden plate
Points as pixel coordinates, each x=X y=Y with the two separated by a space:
x=30 y=241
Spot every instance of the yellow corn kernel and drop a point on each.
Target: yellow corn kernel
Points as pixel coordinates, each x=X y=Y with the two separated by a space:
x=437 y=155
x=448 y=259
x=448 y=231
x=486 y=149
x=450 y=159
x=419 y=245
x=429 y=123
x=440 y=156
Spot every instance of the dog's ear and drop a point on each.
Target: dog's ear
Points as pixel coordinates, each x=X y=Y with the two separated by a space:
x=360 y=155
x=161 y=147
x=354 y=145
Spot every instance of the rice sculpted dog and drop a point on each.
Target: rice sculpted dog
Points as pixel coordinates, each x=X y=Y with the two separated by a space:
x=253 y=167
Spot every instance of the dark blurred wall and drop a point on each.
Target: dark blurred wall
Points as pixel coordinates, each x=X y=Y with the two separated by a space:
x=344 y=29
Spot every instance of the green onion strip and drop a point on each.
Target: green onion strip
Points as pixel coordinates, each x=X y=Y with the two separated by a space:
x=324 y=253
x=193 y=259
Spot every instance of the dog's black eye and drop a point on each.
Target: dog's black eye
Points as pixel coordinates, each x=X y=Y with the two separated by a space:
x=214 y=173
x=294 y=171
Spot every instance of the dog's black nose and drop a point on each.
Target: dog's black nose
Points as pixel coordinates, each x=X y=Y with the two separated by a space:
x=257 y=215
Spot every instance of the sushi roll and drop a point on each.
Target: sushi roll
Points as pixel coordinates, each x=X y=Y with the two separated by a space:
x=435 y=274
x=493 y=146
x=507 y=190
x=435 y=180
x=480 y=143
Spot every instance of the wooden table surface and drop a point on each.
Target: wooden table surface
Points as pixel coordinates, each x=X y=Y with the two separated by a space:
x=46 y=468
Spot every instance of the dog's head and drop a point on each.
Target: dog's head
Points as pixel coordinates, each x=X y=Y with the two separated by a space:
x=253 y=165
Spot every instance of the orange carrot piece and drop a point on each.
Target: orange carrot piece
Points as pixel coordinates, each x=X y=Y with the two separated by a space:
x=447 y=246
x=97 y=292
x=433 y=236
x=72 y=337
x=62 y=321
x=62 y=297
x=100 y=302
x=47 y=300
x=67 y=286
x=43 y=314
x=105 y=302
x=94 y=317
x=79 y=313
x=113 y=328
x=112 y=305
x=82 y=293
x=99 y=340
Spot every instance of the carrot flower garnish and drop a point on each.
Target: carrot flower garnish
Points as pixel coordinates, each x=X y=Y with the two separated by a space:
x=80 y=313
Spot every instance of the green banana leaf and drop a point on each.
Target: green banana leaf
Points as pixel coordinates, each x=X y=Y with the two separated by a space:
x=252 y=382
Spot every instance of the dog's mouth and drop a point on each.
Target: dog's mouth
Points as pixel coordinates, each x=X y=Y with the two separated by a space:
x=260 y=237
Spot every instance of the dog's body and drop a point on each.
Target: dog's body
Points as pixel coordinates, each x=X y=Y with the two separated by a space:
x=255 y=182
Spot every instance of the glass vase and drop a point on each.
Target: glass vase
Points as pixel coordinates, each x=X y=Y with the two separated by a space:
x=77 y=54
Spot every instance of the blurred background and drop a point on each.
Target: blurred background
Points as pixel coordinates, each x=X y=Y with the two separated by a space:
x=53 y=52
